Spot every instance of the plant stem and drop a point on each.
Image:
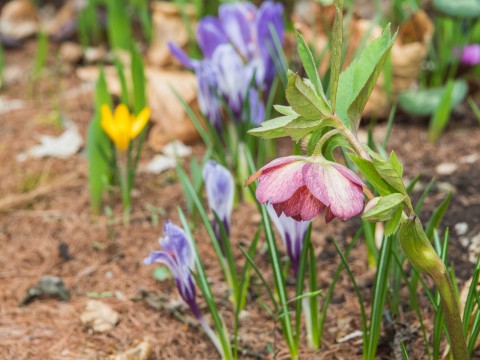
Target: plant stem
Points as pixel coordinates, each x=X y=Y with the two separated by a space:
x=452 y=314
x=423 y=252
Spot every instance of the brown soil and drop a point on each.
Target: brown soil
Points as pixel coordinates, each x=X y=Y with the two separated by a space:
x=106 y=256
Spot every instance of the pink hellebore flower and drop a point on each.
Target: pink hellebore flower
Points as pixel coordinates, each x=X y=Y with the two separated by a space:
x=302 y=187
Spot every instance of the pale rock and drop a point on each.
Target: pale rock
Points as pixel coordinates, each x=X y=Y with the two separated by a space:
x=461 y=228
x=142 y=351
x=95 y=54
x=446 y=168
x=70 y=52
x=7 y=106
x=469 y=159
x=19 y=19
x=474 y=248
x=99 y=317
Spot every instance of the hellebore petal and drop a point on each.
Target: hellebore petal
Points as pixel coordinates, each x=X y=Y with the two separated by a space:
x=471 y=55
x=210 y=35
x=182 y=56
x=280 y=184
x=220 y=189
x=343 y=197
x=273 y=165
x=237 y=20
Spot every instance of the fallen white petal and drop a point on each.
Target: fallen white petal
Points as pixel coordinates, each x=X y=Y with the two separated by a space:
x=60 y=147
x=160 y=163
x=177 y=148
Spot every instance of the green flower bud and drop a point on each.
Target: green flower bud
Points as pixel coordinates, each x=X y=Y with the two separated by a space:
x=418 y=249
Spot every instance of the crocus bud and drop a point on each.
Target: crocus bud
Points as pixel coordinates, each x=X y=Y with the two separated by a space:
x=418 y=249
x=292 y=233
x=302 y=187
x=220 y=189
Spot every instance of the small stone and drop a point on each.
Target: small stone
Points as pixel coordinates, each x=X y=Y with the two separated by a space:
x=177 y=148
x=70 y=52
x=461 y=228
x=142 y=351
x=464 y=241
x=446 y=187
x=95 y=54
x=99 y=317
x=469 y=159
x=446 y=168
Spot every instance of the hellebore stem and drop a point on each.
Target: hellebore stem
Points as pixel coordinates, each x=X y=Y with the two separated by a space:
x=452 y=314
x=420 y=253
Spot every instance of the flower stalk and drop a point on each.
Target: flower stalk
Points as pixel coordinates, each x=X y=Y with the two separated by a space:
x=419 y=252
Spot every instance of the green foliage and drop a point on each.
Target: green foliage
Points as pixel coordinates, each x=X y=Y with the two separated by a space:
x=118 y=24
x=458 y=8
x=41 y=55
x=389 y=171
x=442 y=113
x=99 y=151
x=336 y=52
x=309 y=64
x=304 y=100
x=372 y=175
x=383 y=208
x=425 y=102
x=357 y=82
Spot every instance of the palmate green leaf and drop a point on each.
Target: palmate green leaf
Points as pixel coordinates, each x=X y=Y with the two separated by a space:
x=98 y=148
x=274 y=128
x=388 y=172
x=357 y=82
x=382 y=208
x=425 y=102
x=303 y=98
x=309 y=64
x=373 y=177
x=458 y=8
x=300 y=127
x=391 y=225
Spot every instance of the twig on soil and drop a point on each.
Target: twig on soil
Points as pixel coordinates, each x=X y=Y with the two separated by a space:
x=9 y=202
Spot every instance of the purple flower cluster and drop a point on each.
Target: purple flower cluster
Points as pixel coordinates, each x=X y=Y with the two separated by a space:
x=238 y=65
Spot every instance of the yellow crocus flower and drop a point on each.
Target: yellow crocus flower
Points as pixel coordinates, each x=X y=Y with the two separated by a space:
x=121 y=126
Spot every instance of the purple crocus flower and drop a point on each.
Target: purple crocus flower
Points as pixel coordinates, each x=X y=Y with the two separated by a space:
x=237 y=46
x=471 y=55
x=178 y=255
x=220 y=189
x=292 y=233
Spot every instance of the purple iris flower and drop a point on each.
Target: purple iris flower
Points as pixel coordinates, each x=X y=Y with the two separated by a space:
x=237 y=46
x=220 y=189
x=292 y=233
x=178 y=255
x=471 y=55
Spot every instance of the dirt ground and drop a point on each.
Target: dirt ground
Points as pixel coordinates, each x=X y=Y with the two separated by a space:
x=47 y=229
